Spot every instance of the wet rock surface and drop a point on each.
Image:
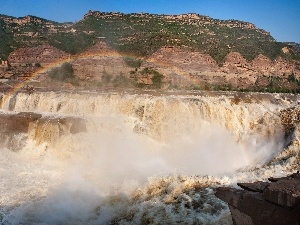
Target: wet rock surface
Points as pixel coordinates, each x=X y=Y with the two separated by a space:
x=17 y=123
x=16 y=128
x=255 y=187
x=20 y=122
x=269 y=203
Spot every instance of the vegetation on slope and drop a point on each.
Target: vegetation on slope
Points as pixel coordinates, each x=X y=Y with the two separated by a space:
x=6 y=40
x=62 y=73
x=143 y=34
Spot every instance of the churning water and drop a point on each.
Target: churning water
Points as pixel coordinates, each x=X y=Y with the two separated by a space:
x=136 y=158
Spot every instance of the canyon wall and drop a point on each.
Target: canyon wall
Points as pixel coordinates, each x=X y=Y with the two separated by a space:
x=179 y=66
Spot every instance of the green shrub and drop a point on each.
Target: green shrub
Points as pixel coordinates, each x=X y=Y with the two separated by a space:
x=62 y=73
x=140 y=85
x=195 y=87
x=157 y=80
x=132 y=62
x=292 y=78
x=122 y=81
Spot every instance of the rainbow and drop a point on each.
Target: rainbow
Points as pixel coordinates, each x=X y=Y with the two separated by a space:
x=82 y=56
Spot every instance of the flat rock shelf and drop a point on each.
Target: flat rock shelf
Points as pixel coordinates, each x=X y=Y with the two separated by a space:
x=274 y=202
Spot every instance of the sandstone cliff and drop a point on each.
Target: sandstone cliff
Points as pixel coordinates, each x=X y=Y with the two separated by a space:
x=42 y=54
x=182 y=59
x=98 y=60
x=183 y=67
x=260 y=65
x=180 y=65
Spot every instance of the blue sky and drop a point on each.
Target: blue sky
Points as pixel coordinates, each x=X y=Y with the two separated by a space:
x=280 y=17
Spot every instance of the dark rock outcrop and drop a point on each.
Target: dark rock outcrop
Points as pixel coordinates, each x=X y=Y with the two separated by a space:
x=274 y=203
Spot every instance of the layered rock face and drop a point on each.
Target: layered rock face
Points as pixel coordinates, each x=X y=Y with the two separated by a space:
x=270 y=203
x=24 y=62
x=98 y=60
x=261 y=65
x=42 y=54
x=235 y=63
x=15 y=129
x=181 y=65
x=182 y=59
x=184 y=67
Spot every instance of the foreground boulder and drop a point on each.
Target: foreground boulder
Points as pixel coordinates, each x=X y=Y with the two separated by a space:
x=270 y=203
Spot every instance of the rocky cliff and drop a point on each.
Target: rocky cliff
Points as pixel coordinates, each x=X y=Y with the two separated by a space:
x=42 y=54
x=189 y=50
x=184 y=67
x=182 y=59
x=22 y=63
x=98 y=60
x=181 y=66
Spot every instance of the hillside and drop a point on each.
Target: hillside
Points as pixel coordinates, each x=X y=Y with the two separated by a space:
x=187 y=51
x=142 y=34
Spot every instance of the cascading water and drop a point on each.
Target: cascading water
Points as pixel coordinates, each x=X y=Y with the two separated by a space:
x=92 y=158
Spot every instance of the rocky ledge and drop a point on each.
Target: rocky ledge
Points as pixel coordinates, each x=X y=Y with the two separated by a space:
x=16 y=128
x=270 y=203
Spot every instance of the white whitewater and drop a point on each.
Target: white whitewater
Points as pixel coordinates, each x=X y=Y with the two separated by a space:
x=143 y=159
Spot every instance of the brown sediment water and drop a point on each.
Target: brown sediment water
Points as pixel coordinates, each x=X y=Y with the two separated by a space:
x=128 y=157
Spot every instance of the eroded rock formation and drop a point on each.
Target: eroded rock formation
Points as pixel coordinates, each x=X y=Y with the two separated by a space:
x=42 y=54
x=235 y=63
x=183 y=66
x=182 y=59
x=179 y=66
x=98 y=60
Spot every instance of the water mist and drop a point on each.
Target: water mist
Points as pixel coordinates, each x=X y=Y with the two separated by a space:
x=141 y=159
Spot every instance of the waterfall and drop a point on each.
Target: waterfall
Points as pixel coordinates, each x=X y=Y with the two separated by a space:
x=128 y=158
